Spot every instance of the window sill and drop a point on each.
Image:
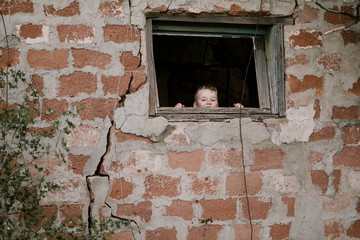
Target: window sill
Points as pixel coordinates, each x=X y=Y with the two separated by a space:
x=190 y=114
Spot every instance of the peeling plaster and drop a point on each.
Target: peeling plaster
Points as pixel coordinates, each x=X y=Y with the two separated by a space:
x=297 y=128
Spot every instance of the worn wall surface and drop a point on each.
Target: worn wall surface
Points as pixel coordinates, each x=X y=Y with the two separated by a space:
x=185 y=180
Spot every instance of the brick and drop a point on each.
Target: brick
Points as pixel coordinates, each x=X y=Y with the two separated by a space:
x=137 y=82
x=315 y=157
x=189 y=161
x=330 y=62
x=308 y=14
x=73 y=211
x=182 y=209
x=76 y=83
x=306 y=38
x=309 y=82
x=52 y=109
x=204 y=185
x=335 y=19
x=121 y=189
x=141 y=162
x=84 y=136
x=205 y=232
x=121 y=33
x=120 y=235
x=49 y=165
x=284 y=184
x=129 y=61
x=123 y=137
x=49 y=211
x=97 y=108
x=290 y=202
x=162 y=9
x=16 y=6
x=243 y=231
x=116 y=85
x=267 y=159
x=87 y=57
x=38 y=84
x=142 y=210
x=9 y=58
x=259 y=207
x=219 y=209
x=337 y=204
x=76 y=33
x=218 y=10
x=355 y=88
x=345 y=113
x=71 y=10
x=225 y=158
x=236 y=10
x=77 y=163
x=349 y=157
x=280 y=231
x=177 y=139
x=112 y=9
x=320 y=178
x=177 y=11
x=354 y=229
x=31 y=31
x=332 y=18
x=161 y=234
x=333 y=229
x=44 y=59
x=324 y=133
x=350 y=36
x=337 y=180
x=161 y=186
x=297 y=60
x=317 y=109
x=235 y=183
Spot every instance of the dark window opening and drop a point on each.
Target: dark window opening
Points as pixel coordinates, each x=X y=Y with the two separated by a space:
x=183 y=52
x=183 y=63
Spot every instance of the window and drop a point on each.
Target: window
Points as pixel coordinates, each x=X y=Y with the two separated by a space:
x=242 y=57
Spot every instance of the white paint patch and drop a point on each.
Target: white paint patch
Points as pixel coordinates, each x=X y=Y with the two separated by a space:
x=298 y=127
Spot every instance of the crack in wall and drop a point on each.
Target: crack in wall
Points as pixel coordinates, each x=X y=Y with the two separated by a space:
x=100 y=172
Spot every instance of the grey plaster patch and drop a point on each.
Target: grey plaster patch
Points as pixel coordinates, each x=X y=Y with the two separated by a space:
x=143 y=126
x=138 y=102
x=98 y=150
x=119 y=117
x=255 y=132
x=100 y=188
x=211 y=133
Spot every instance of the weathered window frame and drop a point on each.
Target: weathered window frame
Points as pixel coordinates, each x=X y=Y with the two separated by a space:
x=270 y=74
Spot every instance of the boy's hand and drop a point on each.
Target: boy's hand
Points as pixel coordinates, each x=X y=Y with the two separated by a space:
x=238 y=105
x=179 y=105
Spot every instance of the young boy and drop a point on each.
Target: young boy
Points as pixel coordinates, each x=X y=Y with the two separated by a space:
x=206 y=96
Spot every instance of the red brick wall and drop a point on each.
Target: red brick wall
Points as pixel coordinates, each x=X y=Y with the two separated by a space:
x=189 y=183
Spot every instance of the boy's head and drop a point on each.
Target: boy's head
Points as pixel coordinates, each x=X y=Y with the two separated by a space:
x=206 y=96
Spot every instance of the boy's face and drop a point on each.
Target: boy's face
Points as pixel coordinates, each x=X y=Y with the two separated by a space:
x=206 y=98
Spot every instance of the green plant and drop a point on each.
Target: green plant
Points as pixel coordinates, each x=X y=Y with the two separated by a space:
x=22 y=186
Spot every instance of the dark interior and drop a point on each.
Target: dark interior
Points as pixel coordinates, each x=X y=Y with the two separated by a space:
x=183 y=63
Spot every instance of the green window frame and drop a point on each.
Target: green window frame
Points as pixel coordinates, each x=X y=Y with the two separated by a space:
x=268 y=39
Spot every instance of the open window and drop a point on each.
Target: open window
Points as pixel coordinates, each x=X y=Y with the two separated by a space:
x=242 y=57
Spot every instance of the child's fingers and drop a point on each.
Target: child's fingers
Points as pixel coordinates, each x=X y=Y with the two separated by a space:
x=238 y=105
x=179 y=105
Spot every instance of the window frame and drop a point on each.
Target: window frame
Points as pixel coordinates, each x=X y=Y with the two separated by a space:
x=270 y=74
